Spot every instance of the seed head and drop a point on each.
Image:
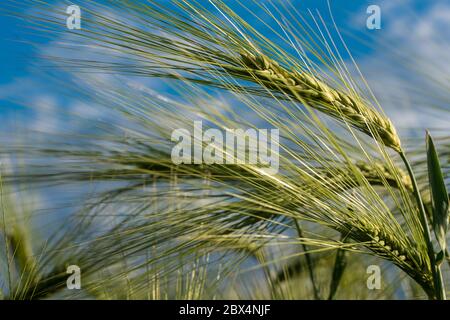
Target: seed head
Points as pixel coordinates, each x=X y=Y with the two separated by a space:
x=308 y=89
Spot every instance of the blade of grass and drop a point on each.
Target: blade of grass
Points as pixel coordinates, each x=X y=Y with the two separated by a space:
x=439 y=195
x=437 y=275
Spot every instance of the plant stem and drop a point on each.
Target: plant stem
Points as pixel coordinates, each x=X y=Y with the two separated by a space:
x=340 y=263
x=308 y=262
x=436 y=270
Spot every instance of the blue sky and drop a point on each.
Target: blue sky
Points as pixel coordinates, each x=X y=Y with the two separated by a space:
x=404 y=27
x=18 y=54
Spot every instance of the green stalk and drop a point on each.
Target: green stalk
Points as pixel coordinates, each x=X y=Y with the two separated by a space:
x=340 y=263
x=437 y=274
x=308 y=262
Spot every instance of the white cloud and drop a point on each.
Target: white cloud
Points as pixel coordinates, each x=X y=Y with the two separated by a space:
x=45 y=119
x=409 y=69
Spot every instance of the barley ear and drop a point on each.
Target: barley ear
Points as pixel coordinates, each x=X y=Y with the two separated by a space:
x=306 y=88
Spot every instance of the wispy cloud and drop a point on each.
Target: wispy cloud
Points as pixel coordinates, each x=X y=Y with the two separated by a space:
x=408 y=68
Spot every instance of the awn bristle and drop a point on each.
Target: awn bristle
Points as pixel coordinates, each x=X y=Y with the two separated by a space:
x=317 y=94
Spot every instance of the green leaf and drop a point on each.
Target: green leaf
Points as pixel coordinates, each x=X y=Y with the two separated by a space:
x=439 y=195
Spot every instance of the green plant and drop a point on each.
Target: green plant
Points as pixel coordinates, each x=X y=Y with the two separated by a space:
x=330 y=174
